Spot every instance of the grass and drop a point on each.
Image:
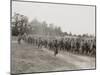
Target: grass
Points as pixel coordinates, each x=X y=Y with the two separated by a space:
x=28 y=58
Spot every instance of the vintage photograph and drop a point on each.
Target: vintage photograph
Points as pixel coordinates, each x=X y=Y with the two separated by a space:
x=52 y=37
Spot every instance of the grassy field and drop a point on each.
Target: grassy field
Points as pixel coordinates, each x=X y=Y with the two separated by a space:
x=27 y=58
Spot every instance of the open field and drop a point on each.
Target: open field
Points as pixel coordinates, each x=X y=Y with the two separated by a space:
x=28 y=58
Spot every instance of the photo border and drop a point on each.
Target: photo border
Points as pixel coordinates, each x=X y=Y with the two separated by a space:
x=56 y=4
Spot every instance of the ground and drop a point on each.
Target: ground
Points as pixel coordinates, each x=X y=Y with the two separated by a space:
x=28 y=58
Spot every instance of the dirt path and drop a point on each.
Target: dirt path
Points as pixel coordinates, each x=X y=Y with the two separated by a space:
x=27 y=58
x=81 y=62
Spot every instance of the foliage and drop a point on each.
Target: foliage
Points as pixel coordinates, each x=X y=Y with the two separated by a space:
x=21 y=25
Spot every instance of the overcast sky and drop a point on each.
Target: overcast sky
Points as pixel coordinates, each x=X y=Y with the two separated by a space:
x=71 y=18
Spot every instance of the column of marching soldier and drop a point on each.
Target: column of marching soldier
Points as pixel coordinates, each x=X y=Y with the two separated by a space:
x=78 y=46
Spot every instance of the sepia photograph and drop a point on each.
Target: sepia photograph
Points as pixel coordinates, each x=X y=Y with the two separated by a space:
x=52 y=37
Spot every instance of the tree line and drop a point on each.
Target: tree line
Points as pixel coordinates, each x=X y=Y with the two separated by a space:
x=20 y=25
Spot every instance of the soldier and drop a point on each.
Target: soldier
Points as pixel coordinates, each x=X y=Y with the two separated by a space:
x=45 y=43
x=50 y=44
x=40 y=43
x=30 y=39
x=19 y=38
x=61 y=44
x=73 y=45
x=20 y=35
x=77 y=46
x=66 y=45
x=55 y=47
x=93 y=48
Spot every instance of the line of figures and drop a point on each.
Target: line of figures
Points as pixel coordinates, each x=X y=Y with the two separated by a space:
x=74 y=45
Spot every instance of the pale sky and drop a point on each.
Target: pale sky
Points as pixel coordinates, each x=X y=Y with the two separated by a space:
x=71 y=18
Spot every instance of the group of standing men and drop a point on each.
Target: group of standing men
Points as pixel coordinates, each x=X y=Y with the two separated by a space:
x=74 y=45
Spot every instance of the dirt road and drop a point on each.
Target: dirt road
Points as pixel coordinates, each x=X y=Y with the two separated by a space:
x=27 y=58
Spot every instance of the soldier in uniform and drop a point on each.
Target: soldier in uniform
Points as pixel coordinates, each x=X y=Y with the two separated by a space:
x=61 y=44
x=20 y=35
x=40 y=42
x=55 y=47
